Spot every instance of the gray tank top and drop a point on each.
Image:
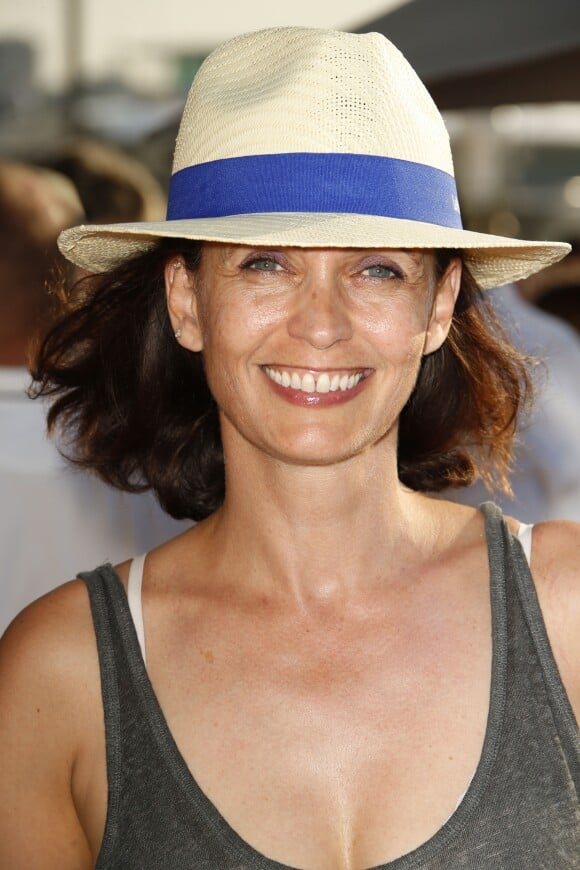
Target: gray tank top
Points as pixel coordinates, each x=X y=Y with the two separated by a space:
x=520 y=812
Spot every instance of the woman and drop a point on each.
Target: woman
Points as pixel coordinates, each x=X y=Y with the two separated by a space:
x=313 y=676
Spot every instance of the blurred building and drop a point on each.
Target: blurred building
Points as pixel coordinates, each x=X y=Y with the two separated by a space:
x=518 y=168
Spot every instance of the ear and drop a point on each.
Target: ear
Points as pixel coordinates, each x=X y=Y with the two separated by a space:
x=443 y=306
x=182 y=304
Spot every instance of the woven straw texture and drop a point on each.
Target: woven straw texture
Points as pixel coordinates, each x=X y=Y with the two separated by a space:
x=296 y=89
x=301 y=90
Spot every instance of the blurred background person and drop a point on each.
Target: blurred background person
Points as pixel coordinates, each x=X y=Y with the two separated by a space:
x=113 y=186
x=51 y=516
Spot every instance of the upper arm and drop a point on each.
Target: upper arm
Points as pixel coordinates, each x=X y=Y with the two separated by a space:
x=41 y=672
x=556 y=570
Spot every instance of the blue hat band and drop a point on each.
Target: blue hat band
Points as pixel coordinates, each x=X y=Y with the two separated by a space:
x=313 y=182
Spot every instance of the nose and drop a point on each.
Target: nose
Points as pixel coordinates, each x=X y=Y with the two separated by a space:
x=319 y=313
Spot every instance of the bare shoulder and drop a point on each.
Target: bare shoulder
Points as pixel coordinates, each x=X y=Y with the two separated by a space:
x=48 y=631
x=552 y=535
x=555 y=567
x=47 y=663
x=556 y=560
x=48 y=659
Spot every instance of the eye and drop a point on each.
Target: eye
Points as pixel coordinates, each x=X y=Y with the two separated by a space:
x=381 y=270
x=262 y=264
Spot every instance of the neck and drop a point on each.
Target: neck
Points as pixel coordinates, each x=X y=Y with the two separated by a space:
x=317 y=531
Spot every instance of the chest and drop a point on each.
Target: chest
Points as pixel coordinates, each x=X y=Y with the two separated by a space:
x=330 y=745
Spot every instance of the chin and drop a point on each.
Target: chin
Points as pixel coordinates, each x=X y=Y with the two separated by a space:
x=318 y=449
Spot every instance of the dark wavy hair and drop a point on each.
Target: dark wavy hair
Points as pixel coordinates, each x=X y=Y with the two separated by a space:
x=134 y=406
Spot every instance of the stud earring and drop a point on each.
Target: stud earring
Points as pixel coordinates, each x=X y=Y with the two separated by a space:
x=178 y=333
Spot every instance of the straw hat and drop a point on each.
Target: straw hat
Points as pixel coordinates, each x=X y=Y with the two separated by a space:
x=313 y=138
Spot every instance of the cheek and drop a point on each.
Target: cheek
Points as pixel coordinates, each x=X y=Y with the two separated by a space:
x=236 y=327
x=399 y=329
x=232 y=330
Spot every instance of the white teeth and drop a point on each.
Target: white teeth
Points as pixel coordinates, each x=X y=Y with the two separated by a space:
x=323 y=383
x=308 y=383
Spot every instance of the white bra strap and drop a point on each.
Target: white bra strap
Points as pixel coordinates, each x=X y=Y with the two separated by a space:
x=525 y=538
x=134 y=586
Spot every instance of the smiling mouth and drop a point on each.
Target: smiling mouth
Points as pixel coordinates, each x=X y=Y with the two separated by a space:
x=319 y=382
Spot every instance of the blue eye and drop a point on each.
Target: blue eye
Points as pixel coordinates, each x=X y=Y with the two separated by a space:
x=263 y=264
x=380 y=270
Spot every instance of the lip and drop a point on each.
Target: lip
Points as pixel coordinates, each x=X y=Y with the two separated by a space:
x=316 y=399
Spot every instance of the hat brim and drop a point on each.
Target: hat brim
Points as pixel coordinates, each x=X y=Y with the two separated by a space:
x=493 y=260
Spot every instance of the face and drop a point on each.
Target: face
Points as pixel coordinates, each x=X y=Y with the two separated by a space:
x=311 y=353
